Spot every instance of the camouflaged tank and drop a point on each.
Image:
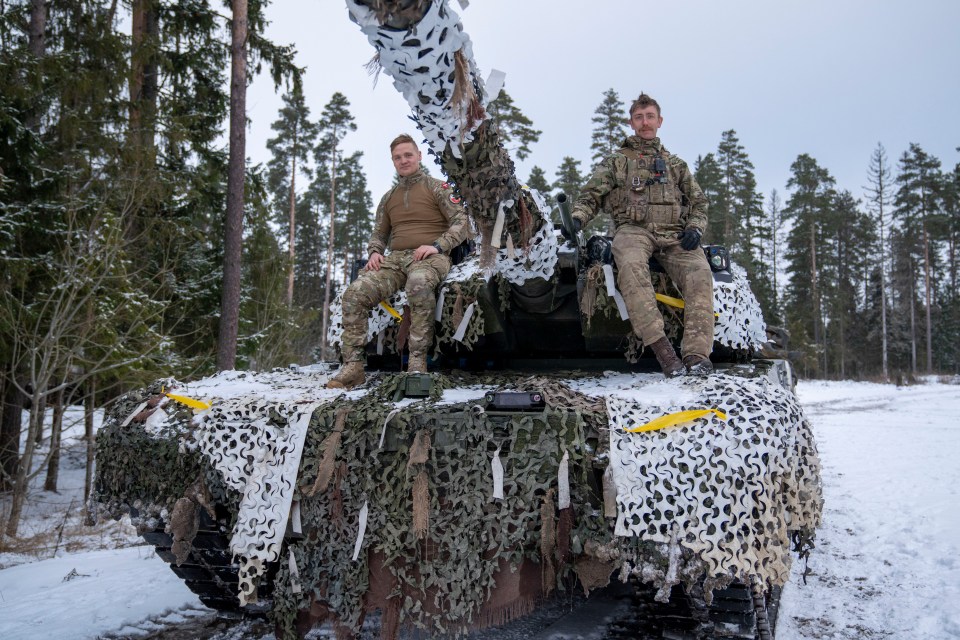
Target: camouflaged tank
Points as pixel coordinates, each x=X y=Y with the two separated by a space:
x=543 y=454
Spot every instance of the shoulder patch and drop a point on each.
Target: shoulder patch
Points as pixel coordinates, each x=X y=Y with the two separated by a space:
x=454 y=198
x=445 y=185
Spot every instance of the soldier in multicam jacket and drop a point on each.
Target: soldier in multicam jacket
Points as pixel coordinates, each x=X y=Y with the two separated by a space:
x=421 y=221
x=659 y=210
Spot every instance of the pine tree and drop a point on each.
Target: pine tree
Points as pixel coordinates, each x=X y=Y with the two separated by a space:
x=296 y=137
x=516 y=130
x=918 y=211
x=335 y=122
x=610 y=128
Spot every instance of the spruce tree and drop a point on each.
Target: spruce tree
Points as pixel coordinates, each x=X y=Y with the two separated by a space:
x=879 y=195
x=569 y=179
x=538 y=181
x=808 y=209
x=610 y=128
x=918 y=211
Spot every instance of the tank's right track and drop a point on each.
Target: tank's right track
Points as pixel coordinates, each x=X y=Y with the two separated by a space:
x=209 y=570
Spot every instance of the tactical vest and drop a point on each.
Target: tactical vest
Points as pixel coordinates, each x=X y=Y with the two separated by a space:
x=648 y=198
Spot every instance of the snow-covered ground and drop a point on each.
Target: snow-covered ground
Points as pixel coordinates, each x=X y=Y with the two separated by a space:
x=886 y=563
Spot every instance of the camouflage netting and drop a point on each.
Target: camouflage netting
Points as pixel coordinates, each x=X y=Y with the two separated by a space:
x=739 y=322
x=140 y=462
x=449 y=496
x=434 y=529
x=728 y=493
x=430 y=58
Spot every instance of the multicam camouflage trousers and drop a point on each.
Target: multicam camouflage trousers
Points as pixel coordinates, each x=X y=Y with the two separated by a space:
x=632 y=247
x=419 y=279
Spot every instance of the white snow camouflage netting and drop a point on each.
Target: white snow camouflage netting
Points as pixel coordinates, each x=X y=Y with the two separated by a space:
x=739 y=322
x=728 y=491
x=422 y=65
x=256 y=446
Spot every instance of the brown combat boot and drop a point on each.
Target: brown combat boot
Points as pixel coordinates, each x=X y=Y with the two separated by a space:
x=698 y=365
x=667 y=357
x=350 y=375
x=417 y=363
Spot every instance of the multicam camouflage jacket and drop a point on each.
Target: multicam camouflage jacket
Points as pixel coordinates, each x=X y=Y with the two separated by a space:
x=644 y=184
x=447 y=201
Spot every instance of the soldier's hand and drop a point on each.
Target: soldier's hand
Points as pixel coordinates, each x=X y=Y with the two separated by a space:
x=424 y=250
x=690 y=238
x=577 y=226
x=374 y=262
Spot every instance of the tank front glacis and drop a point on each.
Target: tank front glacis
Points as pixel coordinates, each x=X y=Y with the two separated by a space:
x=470 y=514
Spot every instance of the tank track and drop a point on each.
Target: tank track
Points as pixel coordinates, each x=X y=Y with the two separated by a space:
x=738 y=612
x=209 y=570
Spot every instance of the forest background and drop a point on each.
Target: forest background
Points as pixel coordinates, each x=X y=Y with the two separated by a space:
x=137 y=240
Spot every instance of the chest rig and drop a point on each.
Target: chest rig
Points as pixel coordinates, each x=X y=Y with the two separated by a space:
x=650 y=193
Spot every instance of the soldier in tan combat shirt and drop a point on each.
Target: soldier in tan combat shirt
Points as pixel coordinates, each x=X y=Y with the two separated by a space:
x=659 y=210
x=421 y=221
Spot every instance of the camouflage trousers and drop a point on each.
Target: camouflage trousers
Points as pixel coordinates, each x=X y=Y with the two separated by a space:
x=418 y=279
x=632 y=248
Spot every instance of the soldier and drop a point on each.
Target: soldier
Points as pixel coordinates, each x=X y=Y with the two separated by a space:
x=421 y=220
x=659 y=210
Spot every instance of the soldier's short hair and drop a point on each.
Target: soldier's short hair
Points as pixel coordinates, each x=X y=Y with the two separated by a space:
x=642 y=102
x=400 y=139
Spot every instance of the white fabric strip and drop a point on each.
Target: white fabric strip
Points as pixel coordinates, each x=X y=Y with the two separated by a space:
x=362 y=531
x=496 y=468
x=462 y=329
x=383 y=434
x=613 y=293
x=563 y=482
x=294 y=574
x=439 y=312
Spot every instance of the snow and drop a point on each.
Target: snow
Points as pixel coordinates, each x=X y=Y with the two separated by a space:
x=887 y=562
x=84 y=595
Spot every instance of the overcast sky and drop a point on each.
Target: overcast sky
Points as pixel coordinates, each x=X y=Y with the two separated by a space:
x=827 y=78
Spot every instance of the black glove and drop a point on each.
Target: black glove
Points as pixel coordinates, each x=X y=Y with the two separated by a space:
x=689 y=238
x=577 y=225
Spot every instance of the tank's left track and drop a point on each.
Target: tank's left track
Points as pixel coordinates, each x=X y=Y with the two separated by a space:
x=209 y=570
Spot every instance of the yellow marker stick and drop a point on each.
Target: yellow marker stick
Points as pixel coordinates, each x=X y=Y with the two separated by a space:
x=668 y=300
x=679 y=417
x=190 y=402
x=675 y=302
x=391 y=310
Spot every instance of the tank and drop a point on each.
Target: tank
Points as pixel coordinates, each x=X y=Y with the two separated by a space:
x=543 y=455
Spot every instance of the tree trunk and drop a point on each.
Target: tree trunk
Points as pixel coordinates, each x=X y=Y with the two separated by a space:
x=333 y=210
x=814 y=292
x=11 y=425
x=89 y=404
x=144 y=31
x=926 y=278
x=883 y=297
x=56 y=429
x=21 y=484
x=293 y=216
x=37 y=45
x=233 y=229
x=913 y=323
